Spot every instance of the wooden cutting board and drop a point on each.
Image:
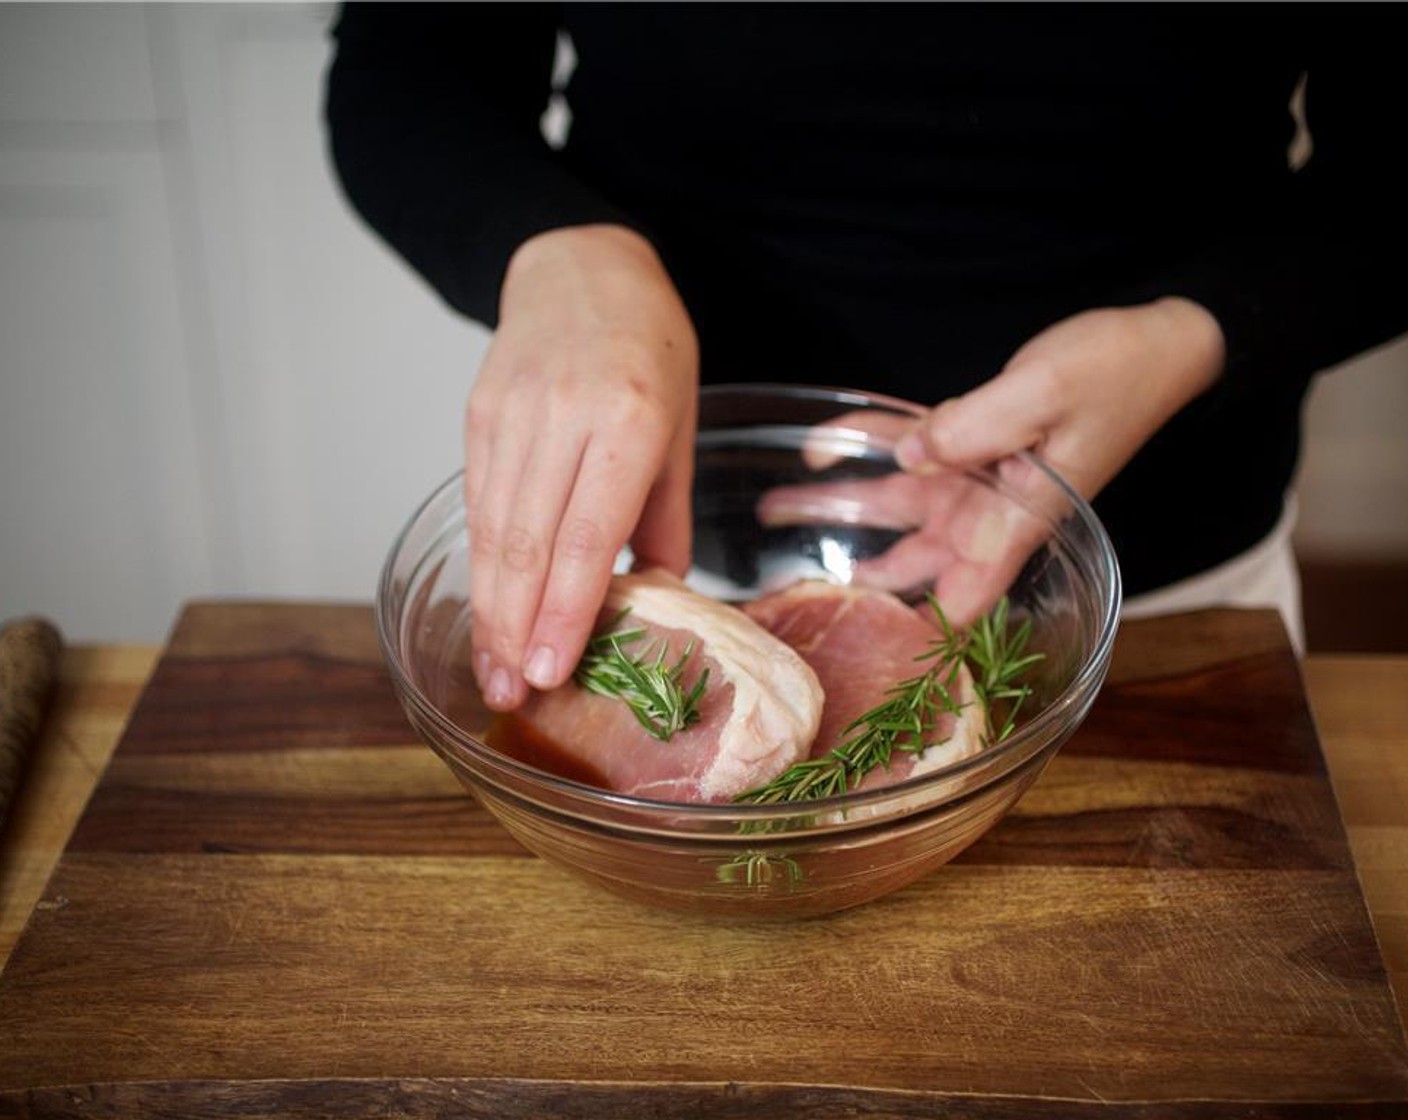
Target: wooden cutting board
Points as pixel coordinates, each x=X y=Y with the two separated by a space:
x=278 y=903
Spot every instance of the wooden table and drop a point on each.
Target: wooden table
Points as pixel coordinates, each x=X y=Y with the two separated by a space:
x=325 y=656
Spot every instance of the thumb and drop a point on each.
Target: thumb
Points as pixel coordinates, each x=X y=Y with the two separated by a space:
x=1012 y=412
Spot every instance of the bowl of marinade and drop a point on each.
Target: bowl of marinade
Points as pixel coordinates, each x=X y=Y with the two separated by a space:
x=861 y=672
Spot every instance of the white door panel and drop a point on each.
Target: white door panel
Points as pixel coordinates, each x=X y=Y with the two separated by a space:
x=102 y=487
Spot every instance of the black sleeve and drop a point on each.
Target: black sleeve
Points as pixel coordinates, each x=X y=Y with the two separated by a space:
x=433 y=114
x=1321 y=274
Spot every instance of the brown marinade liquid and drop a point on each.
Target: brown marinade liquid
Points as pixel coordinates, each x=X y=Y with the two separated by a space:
x=520 y=740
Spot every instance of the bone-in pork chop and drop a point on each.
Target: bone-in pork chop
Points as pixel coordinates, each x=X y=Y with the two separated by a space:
x=861 y=643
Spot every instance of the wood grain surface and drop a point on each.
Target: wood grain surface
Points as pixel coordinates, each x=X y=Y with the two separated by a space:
x=277 y=903
x=1361 y=706
x=96 y=692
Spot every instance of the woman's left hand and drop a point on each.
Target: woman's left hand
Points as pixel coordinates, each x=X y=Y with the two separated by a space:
x=1084 y=394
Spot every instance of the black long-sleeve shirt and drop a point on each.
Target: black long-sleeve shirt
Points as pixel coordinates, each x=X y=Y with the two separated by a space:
x=897 y=196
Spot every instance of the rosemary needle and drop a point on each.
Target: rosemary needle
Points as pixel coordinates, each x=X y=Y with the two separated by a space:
x=653 y=690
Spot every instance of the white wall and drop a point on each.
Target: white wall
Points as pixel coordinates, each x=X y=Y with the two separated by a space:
x=214 y=381
x=1353 y=484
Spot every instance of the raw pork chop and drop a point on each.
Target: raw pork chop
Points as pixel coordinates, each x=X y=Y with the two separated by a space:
x=862 y=643
x=758 y=716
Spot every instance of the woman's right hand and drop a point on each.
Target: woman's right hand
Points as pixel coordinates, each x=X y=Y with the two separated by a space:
x=579 y=439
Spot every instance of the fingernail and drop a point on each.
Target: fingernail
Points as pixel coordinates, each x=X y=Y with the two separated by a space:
x=482 y=665
x=541 y=668
x=500 y=690
x=912 y=455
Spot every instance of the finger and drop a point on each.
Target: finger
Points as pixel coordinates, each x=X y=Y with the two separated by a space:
x=897 y=501
x=478 y=433
x=969 y=525
x=663 y=534
x=1010 y=413
x=853 y=435
x=478 y=454
x=913 y=563
x=518 y=506
x=993 y=531
x=490 y=528
x=979 y=530
x=967 y=591
x=1026 y=477
x=606 y=503
x=489 y=471
x=536 y=529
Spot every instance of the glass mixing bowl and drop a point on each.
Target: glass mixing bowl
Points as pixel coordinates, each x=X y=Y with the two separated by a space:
x=791 y=482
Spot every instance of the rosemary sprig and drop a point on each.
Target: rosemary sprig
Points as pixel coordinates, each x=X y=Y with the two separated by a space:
x=760 y=869
x=913 y=707
x=653 y=690
x=996 y=657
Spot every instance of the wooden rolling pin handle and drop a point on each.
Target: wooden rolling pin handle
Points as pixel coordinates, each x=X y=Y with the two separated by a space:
x=29 y=665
